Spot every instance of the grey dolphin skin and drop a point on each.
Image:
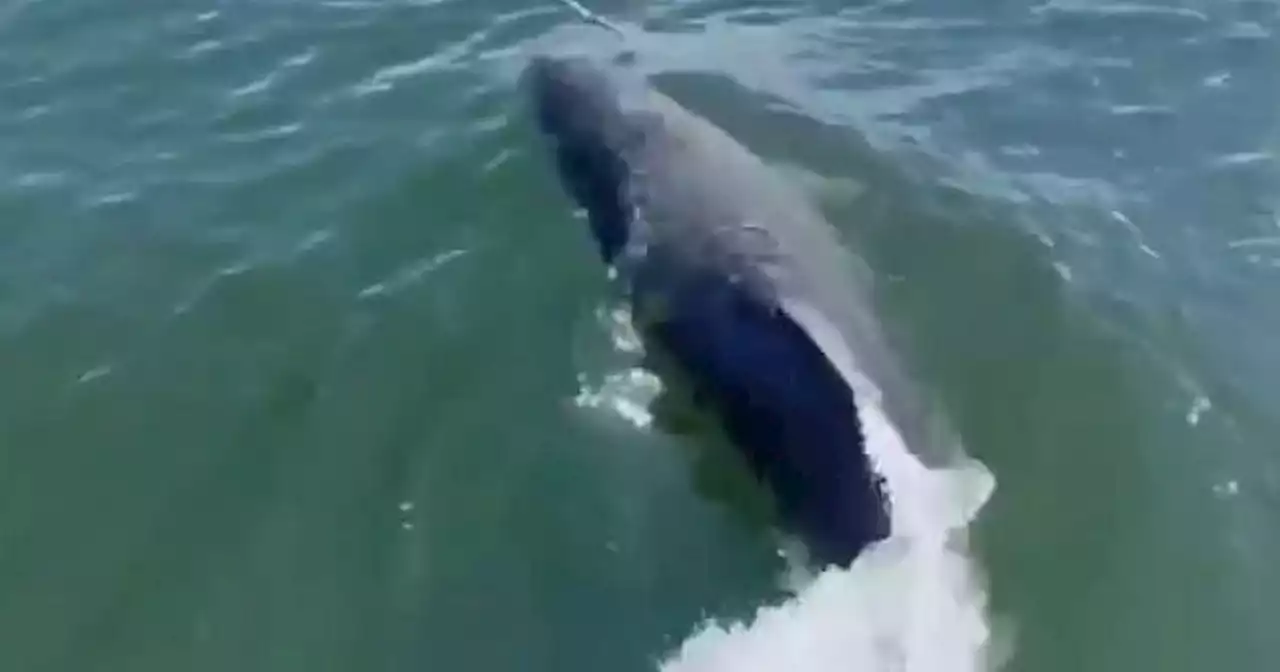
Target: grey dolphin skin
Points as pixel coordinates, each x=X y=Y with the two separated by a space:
x=738 y=277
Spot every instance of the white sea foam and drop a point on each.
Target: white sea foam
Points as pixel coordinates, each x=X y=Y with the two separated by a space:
x=628 y=391
x=897 y=609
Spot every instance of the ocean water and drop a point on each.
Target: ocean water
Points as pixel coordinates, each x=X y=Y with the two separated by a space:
x=306 y=364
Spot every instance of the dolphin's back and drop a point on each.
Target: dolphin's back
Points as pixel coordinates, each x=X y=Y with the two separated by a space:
x=741 y=280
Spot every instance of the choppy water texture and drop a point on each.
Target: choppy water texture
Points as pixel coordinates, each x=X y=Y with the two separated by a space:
x=299 y=342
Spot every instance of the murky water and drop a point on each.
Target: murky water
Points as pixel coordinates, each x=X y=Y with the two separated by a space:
x=306 y=364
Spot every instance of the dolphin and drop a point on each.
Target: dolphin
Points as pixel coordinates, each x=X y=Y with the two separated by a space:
x=735 y=274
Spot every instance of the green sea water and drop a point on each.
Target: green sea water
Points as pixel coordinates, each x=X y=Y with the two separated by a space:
x=305 y=363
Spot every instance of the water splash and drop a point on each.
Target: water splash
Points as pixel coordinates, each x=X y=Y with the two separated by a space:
x=898 y=608
x=628 y=392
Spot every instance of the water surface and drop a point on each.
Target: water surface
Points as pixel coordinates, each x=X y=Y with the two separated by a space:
x=296 y=328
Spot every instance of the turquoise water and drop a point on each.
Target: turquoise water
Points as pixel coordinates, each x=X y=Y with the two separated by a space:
x=306 y=364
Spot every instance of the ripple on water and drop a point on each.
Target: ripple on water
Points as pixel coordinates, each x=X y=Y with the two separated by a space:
x=1139 y=13
x=1246 y=30
x=410 y=275
x=40 y=180
x=480 y=41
